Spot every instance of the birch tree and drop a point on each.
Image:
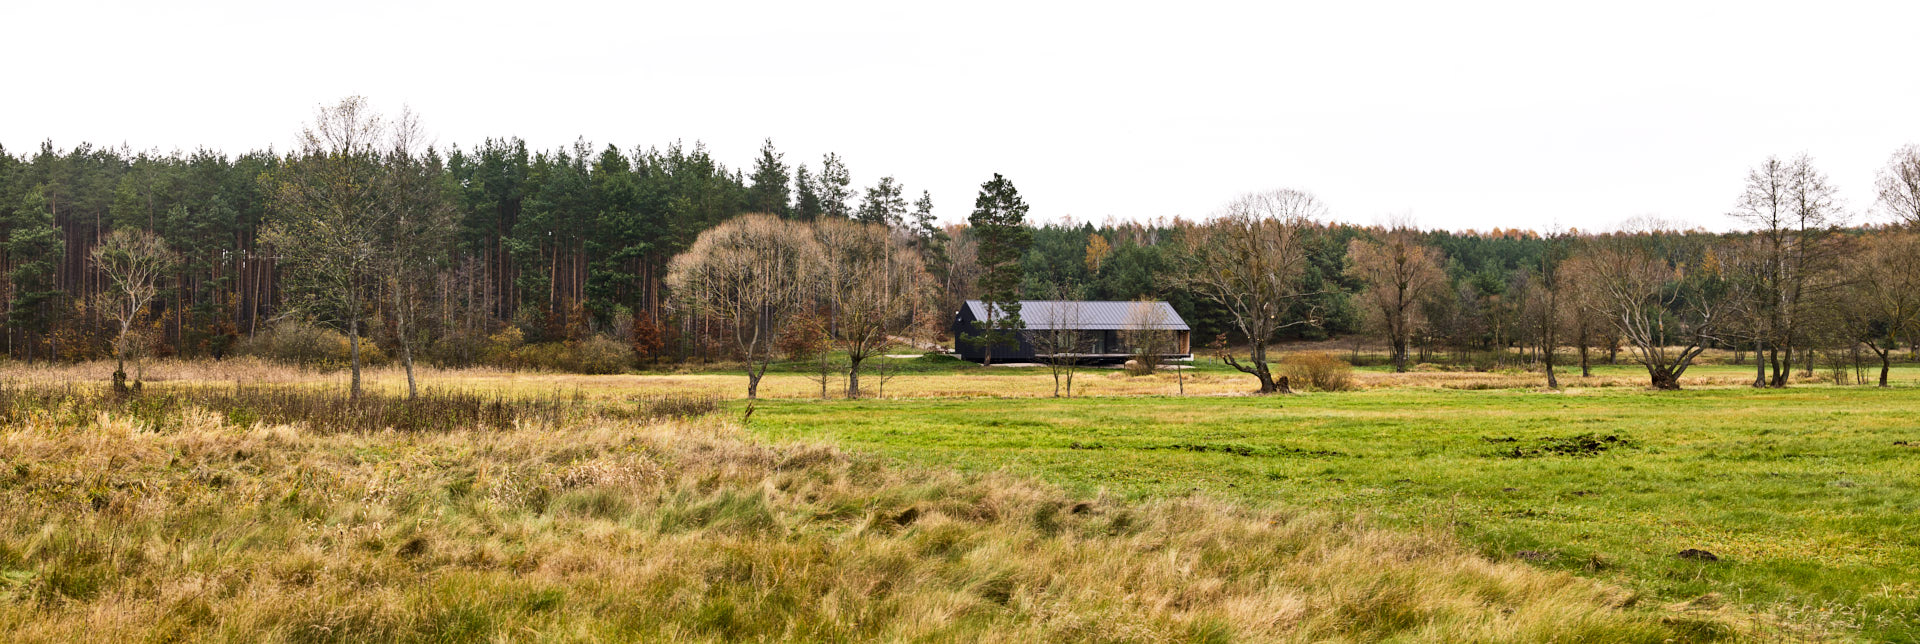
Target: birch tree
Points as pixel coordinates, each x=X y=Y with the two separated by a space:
x=133 y=263
x=326 y=214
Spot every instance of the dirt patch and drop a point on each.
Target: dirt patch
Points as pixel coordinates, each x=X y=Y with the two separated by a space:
x=1236 y=449
x=1576 y=445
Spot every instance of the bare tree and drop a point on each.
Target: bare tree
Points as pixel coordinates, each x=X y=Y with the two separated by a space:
x=1250 y=261
x=1058 y=337
x=1882 y=307
x=1794 y=211
x=133 y=263
x=1544 y=301
x=327 y=201
x=1399 y=273
x=415 y=233
x=1899 y=186
x=808 y=338
x=1585 y=328
x=1147 y=334
x=1746 y=263
x=751 y=274
x=875 y=285
x=1667 y=313
x=962 y=272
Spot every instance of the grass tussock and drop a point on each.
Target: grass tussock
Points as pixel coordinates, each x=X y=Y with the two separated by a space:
x=122 y=528
x=1319 y=371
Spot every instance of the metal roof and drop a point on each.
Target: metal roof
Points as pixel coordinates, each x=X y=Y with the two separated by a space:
x=1092 y=316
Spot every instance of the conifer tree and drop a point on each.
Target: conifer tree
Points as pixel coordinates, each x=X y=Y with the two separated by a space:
x=884 y=204
x=806 y=190
x=999 y=223
x=35 y=248
x=769 y=192
x=833 y=189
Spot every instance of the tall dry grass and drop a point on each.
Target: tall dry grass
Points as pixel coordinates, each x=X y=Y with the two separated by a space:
x=127 y=528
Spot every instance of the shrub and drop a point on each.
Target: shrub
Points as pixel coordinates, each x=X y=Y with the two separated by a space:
x=309 y=346
x=1319 y=371
x=596 y=354
x=599 y=354
x=503 y=348
x=457 y=349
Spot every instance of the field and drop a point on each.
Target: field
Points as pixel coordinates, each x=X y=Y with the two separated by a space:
x=967 y=505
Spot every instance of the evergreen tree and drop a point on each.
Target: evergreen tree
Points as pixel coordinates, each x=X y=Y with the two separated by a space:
x=806 y=189
x=769 y=192
x=884 y=204
x=834 y=191
x=929 y=237
x=35 y=248
x=999 y=222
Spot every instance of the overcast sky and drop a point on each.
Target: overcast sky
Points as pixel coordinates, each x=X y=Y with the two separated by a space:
x=1473 y=116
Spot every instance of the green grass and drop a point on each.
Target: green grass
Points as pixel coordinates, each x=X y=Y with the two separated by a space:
x=1812 y=507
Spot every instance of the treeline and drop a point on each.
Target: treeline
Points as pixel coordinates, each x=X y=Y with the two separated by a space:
x=546 y=245
x=497 y=254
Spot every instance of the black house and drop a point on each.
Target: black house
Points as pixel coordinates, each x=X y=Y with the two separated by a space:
x=1102 y=325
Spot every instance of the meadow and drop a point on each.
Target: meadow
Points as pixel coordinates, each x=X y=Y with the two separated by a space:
x=1808 y=498
x=967 y=504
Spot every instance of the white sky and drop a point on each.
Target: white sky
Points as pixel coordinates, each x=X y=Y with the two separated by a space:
x=1472 y=116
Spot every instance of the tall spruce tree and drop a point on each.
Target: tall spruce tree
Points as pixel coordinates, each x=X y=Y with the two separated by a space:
x=999 y=223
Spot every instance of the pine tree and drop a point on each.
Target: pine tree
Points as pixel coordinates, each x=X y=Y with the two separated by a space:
x=928 y=235
x=806 y=190
x=999 y=222
x=834 y=192
x=769 y=192
x=884 y=204
x=35 y=247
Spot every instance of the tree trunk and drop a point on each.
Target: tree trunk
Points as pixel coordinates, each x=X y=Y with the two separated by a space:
x=353 y=348
x=853 y=377
x=406 y=357
x=1780 y=366
x=1664 y=379
x=1759 y=367
x=1399 y=354
x=120 y=367
x=1546 y=356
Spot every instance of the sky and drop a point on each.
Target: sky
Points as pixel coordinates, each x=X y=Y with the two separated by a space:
x=1461 y=115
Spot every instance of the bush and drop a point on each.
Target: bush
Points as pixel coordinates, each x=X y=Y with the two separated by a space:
x=503 y=348
x=1319 y=371
x=457 y=349
x=599 y=354
x=309 y=346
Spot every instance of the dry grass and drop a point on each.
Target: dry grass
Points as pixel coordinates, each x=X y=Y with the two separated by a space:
x=119 y=529
x=1033 y=383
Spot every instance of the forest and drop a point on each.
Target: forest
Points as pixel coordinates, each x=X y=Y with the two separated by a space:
x=560 y=259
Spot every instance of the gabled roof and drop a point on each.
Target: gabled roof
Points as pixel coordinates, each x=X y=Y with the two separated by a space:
x=1091 y=316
